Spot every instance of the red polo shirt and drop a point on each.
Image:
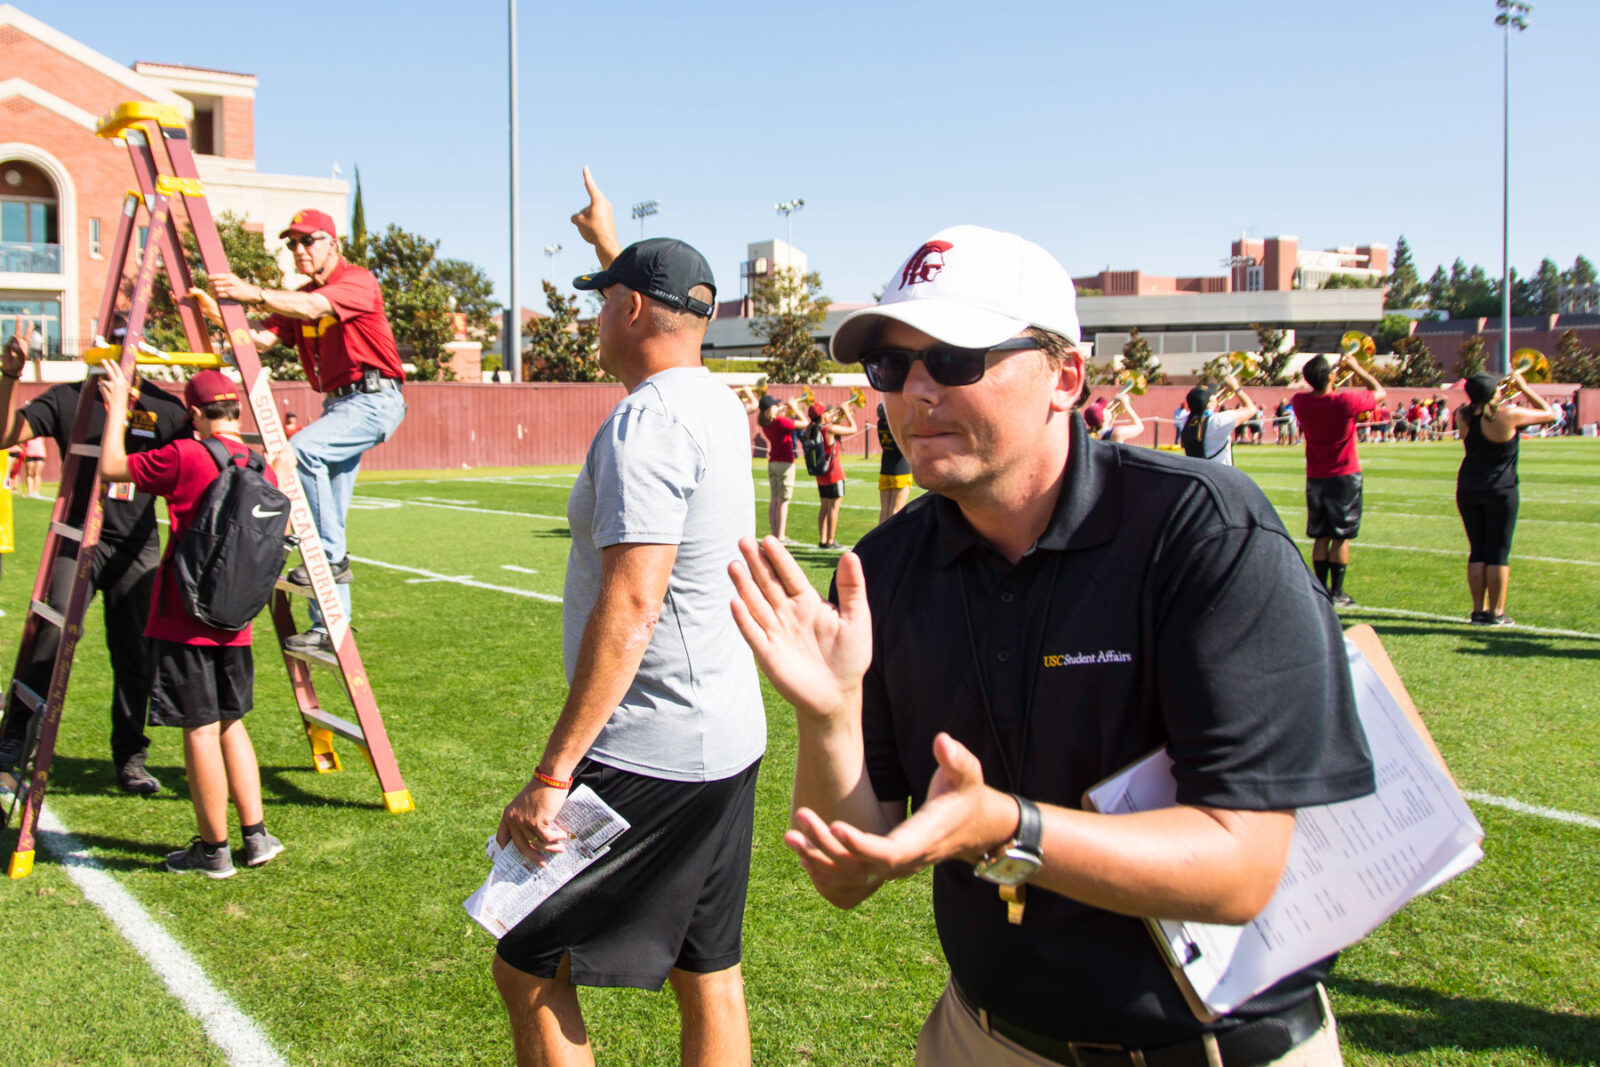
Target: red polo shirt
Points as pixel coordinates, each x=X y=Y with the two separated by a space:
x=181 y=472
x=780 y=440
x=1328 y=424
x=335 y=348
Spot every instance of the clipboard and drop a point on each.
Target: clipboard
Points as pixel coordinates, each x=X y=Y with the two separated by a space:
x=1206 y=946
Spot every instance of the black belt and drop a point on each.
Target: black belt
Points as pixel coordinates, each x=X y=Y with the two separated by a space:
x=1256 y=1042
x=370 y=382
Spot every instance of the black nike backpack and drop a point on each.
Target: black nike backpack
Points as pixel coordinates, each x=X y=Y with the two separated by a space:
x=229 y=558
x=815 y=442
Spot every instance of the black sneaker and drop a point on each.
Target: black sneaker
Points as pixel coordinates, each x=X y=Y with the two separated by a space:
x=11 y=750
x=1482 y=618
x=341 y=573
x=260 y=848
x=1344 y=600
x=196 y=858
x=312 y=641
x=133 y=778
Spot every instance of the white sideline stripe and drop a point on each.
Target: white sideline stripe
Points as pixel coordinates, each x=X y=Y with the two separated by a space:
x=229 y=1028
x=435 y=576
x=1509 y=631
x=1454 y=520
x=1458 y=552
x=412 y=502
x=519 y=570
x=1533 y=809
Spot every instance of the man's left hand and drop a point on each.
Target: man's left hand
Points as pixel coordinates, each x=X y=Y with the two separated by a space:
x=114 y=386
x=961 y=819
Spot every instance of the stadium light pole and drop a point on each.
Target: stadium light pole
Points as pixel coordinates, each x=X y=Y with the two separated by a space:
x=787 y=208
x=1513 y=13
x=643 y=210
x=550 y=253
x=513 y=330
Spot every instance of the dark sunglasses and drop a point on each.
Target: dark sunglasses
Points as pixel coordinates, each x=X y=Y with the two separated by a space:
x=302 y=240
x=887 y=368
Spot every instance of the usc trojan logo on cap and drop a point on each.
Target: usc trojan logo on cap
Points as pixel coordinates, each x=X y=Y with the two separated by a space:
x=299 y=217
x=925 y=263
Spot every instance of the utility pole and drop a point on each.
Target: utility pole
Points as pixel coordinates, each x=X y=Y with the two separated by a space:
x=643 y=210
x=1513 y=13
x=513 y=330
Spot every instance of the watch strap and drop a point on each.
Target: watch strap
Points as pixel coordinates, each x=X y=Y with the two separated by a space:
x=1030 y=826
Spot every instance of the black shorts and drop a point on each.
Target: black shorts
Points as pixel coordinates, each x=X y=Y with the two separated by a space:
x=1333 y=507
x=670 y=892
x=196 y=685
x=1490 y=516
x=831 y=491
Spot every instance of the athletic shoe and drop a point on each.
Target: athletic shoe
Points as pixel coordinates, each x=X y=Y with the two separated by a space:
x=1482 y=618
x=11 y=751
x=787 y=541
x=133 y=778
x=1344 y=600
x=312 y=641
x=341 y=573
x=1501 y=620
x=195 y=858
x=260 y=848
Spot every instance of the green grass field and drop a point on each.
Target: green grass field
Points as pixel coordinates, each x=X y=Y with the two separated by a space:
x=352 y=948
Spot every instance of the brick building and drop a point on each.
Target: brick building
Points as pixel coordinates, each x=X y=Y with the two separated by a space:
x=61 y=187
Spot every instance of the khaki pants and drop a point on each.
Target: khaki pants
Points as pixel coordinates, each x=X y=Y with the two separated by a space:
x=953 y=1036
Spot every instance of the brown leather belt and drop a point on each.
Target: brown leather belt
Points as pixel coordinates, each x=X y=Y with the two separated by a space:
x=1250 y=1044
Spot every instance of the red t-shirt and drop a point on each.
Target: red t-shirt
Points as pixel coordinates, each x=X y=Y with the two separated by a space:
x=780 y=440
x=1328 y=424
x=836 y=468
x=336 y=347
x=181 y=472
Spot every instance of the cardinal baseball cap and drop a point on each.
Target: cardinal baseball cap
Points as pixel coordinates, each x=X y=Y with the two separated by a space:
x=209 y=386
x=661 y=268
x=310 y=221
x=973 y=287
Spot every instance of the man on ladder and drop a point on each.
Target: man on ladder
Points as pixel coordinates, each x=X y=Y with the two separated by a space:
x=337 y=322
x=124 y=566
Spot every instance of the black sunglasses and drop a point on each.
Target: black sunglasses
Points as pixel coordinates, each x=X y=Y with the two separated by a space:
x=302 y=240
x=887 y=368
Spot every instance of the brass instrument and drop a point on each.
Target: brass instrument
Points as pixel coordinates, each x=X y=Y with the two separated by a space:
x=1242 y=366
x=807 y=397
x=1528 y=362
x=1358 y=346
x=1133 y=384
x=856 y=399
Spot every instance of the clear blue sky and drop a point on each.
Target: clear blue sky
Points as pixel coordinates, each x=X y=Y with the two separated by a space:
x=1134 y=134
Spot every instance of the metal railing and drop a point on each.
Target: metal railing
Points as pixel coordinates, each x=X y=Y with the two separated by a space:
x=23 y=257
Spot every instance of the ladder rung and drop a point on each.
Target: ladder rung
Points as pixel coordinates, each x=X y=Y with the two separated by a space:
x=286 y=586
x=24 y=693
x=251 y=438
x=333 y=724
x=327 y=659
x=49 y=614
x=71 y=533
x=78 y=448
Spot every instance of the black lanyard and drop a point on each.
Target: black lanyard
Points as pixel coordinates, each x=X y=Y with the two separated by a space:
x=1013 y=776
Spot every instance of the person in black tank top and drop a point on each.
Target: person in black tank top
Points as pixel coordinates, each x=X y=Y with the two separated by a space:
x=1486 y=489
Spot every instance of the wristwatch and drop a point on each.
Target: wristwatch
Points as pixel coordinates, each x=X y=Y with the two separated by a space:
x=1018 y=860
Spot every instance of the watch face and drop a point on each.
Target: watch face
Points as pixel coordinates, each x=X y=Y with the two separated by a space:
x=1011 y=867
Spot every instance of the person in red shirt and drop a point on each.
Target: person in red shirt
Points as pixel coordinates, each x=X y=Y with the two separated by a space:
x=830 y=486
x=204 y=677
x=337 y=322
x=1327 y=420
x=777 y=420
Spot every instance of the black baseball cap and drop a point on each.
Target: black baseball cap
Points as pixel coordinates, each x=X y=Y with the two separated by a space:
x=661 y=268
x=1198 y=398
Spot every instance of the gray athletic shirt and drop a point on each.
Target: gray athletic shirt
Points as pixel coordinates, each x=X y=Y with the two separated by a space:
x=671 y=466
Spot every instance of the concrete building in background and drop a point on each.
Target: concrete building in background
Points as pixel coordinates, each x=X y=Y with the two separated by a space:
x=61 y=187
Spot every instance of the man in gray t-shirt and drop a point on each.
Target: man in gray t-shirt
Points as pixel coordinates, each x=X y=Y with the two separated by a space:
x=663 y=718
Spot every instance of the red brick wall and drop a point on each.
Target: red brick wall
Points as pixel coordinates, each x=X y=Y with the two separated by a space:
x=238 y=127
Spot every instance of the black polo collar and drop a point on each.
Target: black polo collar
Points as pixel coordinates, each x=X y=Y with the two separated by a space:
x=1086 y=514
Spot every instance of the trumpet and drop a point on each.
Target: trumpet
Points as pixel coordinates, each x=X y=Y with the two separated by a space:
x=1358 y=346
x=1531 y=365
x=758 y=389
x=1133 y=384
x=856 y=399
x=1242 y=366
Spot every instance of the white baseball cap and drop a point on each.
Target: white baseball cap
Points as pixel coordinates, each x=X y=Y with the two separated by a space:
x=973 y=287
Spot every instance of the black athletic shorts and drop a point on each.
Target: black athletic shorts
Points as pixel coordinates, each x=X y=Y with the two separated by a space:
x=1333 y=507
x=196 y=685
x=670 y=892
x=1490 y=516
x=831 y=491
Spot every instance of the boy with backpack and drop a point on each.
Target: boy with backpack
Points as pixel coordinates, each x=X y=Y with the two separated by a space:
x=204 y=675
x=820 y=442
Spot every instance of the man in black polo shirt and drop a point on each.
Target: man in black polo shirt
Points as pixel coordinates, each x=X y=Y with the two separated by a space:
x=1050 y=611
x=124 y=564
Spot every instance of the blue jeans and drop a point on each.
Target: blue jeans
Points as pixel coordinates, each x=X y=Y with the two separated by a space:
x=329 y=452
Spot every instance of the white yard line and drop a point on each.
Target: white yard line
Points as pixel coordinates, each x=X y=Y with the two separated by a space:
x=1509 y=631
x=413 y=502
x=229 y=1028
x=1458 y=552
x=1521 y=808
x=457 y=580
